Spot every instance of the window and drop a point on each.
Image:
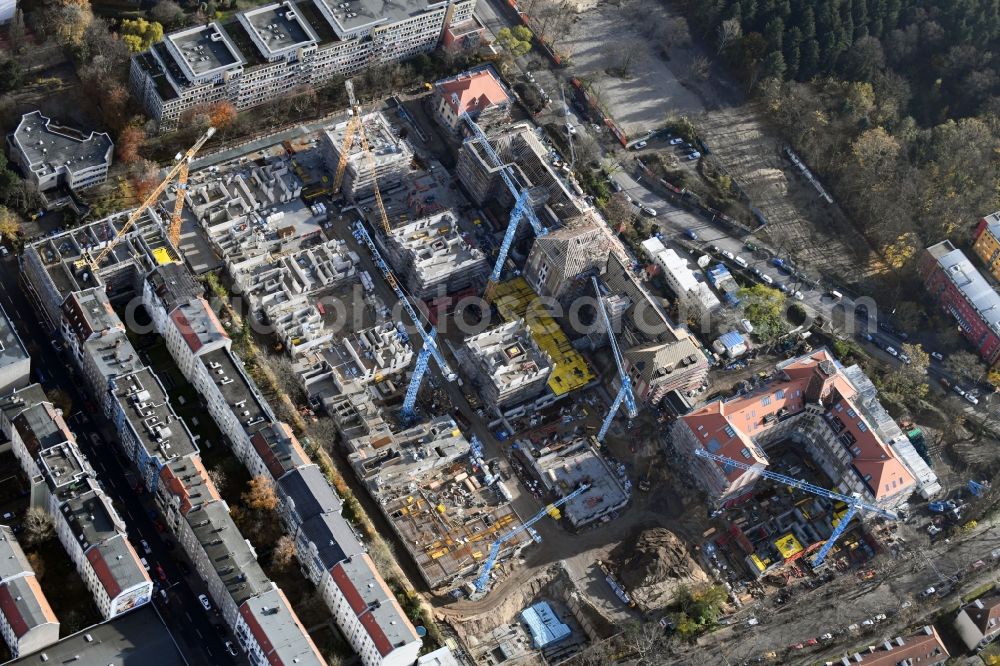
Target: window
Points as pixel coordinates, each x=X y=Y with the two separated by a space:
x=765 y=401
x=780 y=394
x=851 y=413
x=730 y=431
x=856 y=450
x=862 y=427
x=798 y=392
x=746 y=453
x=839 y=407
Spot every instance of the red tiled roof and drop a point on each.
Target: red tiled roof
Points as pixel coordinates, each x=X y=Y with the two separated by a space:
x=474 y=92
x=259 y=634
x=104 y=574
x=187 y=331
x=744 y=417
x=176 y=486
x=919 y=648
x=876 y=460
x=8 y=606
x=378 y=636
x=343 y=582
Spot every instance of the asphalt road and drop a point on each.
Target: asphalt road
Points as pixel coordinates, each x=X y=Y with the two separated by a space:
x=199 y=638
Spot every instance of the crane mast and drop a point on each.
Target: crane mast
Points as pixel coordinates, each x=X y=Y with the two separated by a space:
x=491 y=559
x=182 y=165
x=854 y=503
x=625 y=393
x=522 y=205
x=430 y=348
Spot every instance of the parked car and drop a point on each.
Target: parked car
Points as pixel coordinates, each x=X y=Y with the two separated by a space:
x=649 y=211
x=767 y=279
x=904 y=358
x=728 y=255
x=230 y=649
x=891 y=351
x=826 y=637
x=641 y=145
x=880 y=617
x=676 y=141
x=929 y=592
x=145 y=547
x=798 y=295
x=958 y=389
x=971 y=398
x=691 y=233
x=205 y=603
x=937 y=356
x=145 y=564
x=571 y=129
x=693 y=155
x=740 y=261
x=746 y=325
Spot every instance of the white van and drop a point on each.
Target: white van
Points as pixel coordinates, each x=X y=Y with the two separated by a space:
x=836 y=294
x=740 y=261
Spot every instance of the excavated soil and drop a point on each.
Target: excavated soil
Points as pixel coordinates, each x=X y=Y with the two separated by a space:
x=655 y=566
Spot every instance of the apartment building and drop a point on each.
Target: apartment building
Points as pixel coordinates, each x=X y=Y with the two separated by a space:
x=149 y=431
x=815 y=403
x=233 y=401
x=96 y=340
x=271 y=633
x=478 y=93
x=978 y=622
x=267 y=52
x=15 y=363
x=506 y=364
x=561 y=262
x=27 y=622
x=369 y=615
x=113 y=642
x=660 y=355
x=184 y=485
x=278 y=451
x=52 y=156
x=432 y=258
x=519 y=148
x=387 y=163
x=986 y=243
x=962 y=292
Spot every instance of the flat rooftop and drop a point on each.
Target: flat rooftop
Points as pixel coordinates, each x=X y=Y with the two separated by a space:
x=355 y=14
x=235 y=561
x=205 y=48
x=238 y=390
x=113 y=354
x=275 y=626
x=89 y=518
x=384 y=144
x=137 y=637
x=578 y=463
x=39 y=424
x=277 y=27
x=12 y=350
x=145 y=404
x=49 y=147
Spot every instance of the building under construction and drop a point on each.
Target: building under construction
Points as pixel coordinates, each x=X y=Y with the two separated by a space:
x=432 y=259
x=387 y=163
x=437 y=499
x=519 y=148
x=508 y=365
x=515 y=300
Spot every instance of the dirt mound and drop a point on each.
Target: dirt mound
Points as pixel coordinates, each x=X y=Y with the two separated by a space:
x=655 y=566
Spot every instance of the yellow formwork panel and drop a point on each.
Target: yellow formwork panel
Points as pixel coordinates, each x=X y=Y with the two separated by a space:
x=516 y=300
x=162 y=256
x=788 y=546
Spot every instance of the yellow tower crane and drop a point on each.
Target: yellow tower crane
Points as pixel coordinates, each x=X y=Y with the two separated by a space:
x=355 y=128
x=179 y=169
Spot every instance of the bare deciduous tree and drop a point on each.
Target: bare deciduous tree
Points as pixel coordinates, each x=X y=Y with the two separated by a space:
x=699 y=68
x=728 y=32
x=37 y=525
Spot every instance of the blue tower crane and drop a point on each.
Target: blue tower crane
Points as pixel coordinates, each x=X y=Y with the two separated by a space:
x=522 y=206
x=491 y=559
x=430 y=348
x=625 y=393
x=854 y=504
